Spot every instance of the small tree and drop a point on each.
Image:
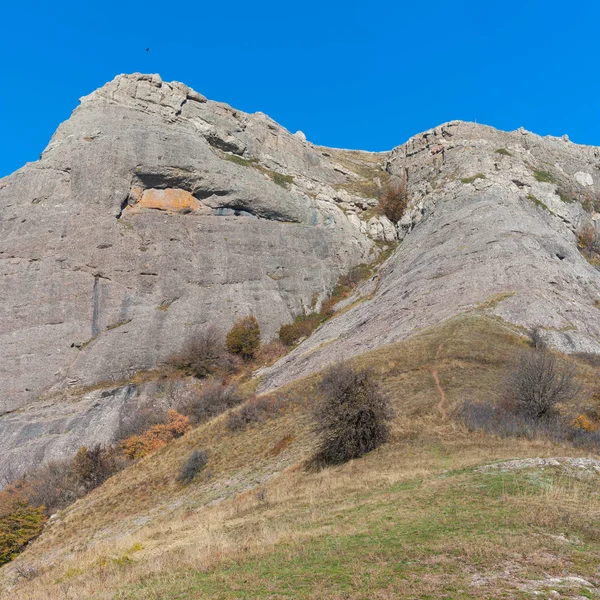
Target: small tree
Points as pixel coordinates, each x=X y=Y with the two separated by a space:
x=538 y=382
x=589 y=240
x=394 y=200
x=202 y=353
x=93 y=466
x=195 y=463
x=353 y=415
x=138 y=446
x=216 y=397
x=244 y=337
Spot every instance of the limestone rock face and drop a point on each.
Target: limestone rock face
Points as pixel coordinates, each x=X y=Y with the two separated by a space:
x=491 y=227
x=152 y=213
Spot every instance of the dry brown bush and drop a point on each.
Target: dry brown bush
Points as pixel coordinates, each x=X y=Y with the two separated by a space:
x=139 y=421
x=94 y=466
x=352 y=417
x=589 y=240
x=394 y=200
x=537 y=382
x=54 y=486
x=255 y=410
x=215 y=398
x=536 y=335
x=302 y=327
x=203 y=354
x=195 y=463
x=268 y=353
x=138 y=446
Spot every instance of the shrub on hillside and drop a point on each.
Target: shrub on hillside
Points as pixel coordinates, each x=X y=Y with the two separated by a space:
x=537 y=382
x=270 y=352
x=394 y=200
x=215 y=398
x=536 y=335
x=138 y=446
x=302 y=327
x=496 y=419
x=203 y=354
x=345 y=286
x=195 y=463
x=53 y=486
x=352 y=417
x=20 y=522
x=138 y=421
x=244 y=337
x=255 y=410
x=588 y=420
x=589 y=240
x=94 y=466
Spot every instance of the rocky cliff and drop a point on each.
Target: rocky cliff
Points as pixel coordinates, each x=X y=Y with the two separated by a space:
x=492 y=227
x=154 y=212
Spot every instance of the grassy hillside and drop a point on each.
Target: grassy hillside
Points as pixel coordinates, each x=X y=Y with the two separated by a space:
x=415 y=518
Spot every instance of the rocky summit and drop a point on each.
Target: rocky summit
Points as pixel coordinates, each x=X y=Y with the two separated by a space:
x=154 y=213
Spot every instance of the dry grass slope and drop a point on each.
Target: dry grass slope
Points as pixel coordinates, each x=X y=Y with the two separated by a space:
x=411 y=519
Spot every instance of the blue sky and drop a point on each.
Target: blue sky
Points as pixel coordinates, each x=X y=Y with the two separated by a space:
x=351 y=74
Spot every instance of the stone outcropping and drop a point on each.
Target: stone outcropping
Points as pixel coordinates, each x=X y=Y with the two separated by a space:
x=154 y=212
x=491 y=226
x=151 y=213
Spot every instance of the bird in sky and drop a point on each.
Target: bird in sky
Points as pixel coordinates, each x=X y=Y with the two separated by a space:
x=147 y=49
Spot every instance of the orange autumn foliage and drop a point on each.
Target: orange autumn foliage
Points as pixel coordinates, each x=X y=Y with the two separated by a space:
x=586 y=422
x=138 y=446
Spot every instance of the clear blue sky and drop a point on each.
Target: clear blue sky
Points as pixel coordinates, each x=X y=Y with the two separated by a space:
x=353 y=74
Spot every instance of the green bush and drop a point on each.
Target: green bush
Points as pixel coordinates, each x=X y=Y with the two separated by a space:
x=244 y=337
x=302 y=327
x=19 y=524
x=543 y=176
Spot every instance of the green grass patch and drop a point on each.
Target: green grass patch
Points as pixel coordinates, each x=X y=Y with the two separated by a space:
x=472 y=179
x=503 y=152
x=281 y=179
x=303 y=325
x=537 y=202
x=119 y=324
x=495 y=299
x=565 y=197
x=409 y=540
x=238 y=160
x=543 y=176
x=87 y=342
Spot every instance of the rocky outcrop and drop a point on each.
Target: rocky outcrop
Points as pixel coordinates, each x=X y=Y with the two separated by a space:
x=58 y=426
x=151 y=213
x=491 y=227
x=154 y=212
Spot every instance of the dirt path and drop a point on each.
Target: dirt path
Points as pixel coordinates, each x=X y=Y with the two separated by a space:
x=442 y=405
